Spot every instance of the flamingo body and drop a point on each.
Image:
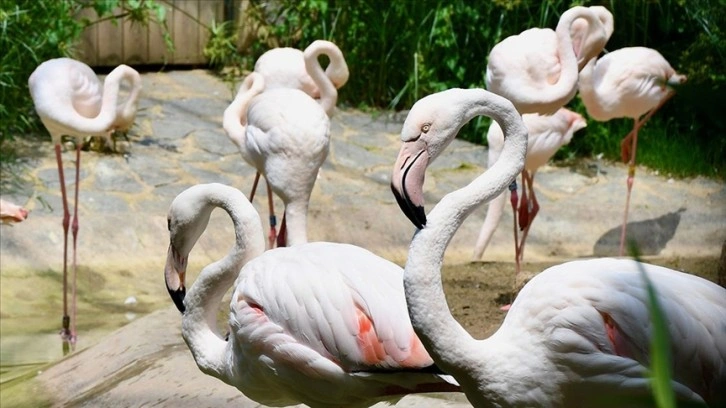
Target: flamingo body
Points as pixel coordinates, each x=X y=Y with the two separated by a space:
x=537 y=69
x=322 y=324
x=579 y=333
x=626 y=83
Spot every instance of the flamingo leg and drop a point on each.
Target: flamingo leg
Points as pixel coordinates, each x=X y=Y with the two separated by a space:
x=514 y=201
x=254 y=186
x=273 y=220
x=282 y=236
x=532 y=208
x=74 y=231
x=65 y=331
x=627 y=150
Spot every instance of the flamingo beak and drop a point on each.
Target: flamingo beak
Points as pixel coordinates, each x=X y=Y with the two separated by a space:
x=174 y=273
x=408 y=178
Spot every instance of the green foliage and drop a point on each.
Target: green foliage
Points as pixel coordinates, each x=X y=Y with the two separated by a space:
x=399 y=51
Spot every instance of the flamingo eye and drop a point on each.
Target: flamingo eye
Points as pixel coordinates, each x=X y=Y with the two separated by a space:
x=425 y=128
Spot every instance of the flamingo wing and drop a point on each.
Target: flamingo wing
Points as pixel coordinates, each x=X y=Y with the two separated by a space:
x=339 y=301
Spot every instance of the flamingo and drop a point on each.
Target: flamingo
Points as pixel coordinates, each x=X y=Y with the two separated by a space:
x=578 y=334
x=72 y=101
x=322 y=324
x=537 y=69
x=11 y=213
x=546 y=135
x=285 y=68
x=285 y=135
x=632 y=83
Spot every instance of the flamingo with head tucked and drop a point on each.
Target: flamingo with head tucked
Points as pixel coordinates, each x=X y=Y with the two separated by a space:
x=322 y=324
x=632 y=83
x=537 y=69
x=578 y=334
x=285 y=68
x=72 y=101
x=546 y=134
x=285 y=134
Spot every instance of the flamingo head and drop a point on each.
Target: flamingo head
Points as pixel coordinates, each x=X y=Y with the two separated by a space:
x=431 y=124
x=188 y=218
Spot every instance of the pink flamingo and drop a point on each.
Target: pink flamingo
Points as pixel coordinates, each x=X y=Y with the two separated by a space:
x=546 y=135
x=579 y=334
x=321 y=323
x=72 y=101
x=289 y=68
x=632 y=83
x=537 y=69
x=11 y=213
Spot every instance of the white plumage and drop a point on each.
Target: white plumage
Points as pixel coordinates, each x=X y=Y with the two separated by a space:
x=578 y=334
x=321 y=323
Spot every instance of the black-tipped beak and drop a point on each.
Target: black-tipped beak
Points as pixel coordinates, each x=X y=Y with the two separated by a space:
x=174 y=273
x=408 y=178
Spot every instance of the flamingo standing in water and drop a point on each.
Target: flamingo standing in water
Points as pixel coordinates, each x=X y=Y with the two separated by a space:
x=285 y=134
x=579 y=333
x=546 y=134
x=322 y=324
x=72 y=101
x=627 y=83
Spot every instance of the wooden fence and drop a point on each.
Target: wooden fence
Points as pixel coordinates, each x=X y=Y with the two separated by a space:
x=109 y=44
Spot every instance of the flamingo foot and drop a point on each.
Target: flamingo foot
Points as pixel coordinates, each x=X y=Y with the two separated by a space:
x=505 y=308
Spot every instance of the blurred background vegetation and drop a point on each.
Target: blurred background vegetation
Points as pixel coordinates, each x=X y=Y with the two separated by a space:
x=401 y=50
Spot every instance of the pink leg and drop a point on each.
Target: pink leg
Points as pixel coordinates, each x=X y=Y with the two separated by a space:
x=65 y=331
x=514 y=201
x=532 y=208
x=273 y=220
x=254 y=186
x=629 y=182
x=74 y=231
x=282 y=236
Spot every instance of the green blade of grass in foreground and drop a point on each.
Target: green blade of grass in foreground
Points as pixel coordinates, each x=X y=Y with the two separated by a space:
x=660 y=362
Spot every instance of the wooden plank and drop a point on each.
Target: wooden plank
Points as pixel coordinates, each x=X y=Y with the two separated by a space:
x=135 y=43
x=86 y=47
x=109 y=44
x=186 y=35
x=157 y=51
x=209 y=11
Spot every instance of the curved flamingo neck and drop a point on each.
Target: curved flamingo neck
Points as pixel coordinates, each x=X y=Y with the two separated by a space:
x=328 y=92
x=447 y=341
x=127 y=112
x=592 y=41
x=199 y=323
x=234 y=120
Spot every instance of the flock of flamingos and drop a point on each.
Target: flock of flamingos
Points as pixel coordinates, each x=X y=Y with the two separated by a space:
x=331 y=324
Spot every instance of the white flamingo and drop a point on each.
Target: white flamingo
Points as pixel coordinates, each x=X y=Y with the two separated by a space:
x=631 y=82
x=72 y=101
x=321 y=323
x=537 y=69
x=284 y=134
x=578 y=334
x=588 y=43
x=285 y=68
x=546 y=134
